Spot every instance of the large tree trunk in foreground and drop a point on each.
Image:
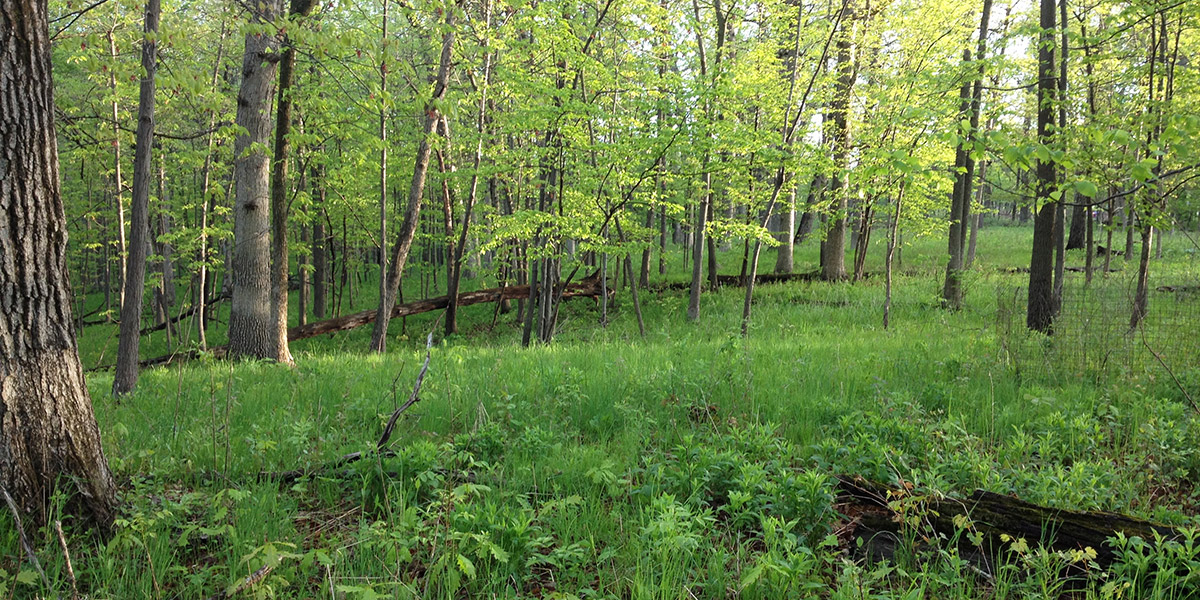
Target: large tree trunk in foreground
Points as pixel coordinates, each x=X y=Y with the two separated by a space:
x=126 y=375
x=252 y=326
x=47 y=429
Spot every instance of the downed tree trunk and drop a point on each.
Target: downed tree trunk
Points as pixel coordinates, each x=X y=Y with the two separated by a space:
x=739 y=281
x=589 y=287
x=187 y=313
x=870 y=505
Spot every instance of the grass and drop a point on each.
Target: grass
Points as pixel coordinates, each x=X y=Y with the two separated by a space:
x=691 y=463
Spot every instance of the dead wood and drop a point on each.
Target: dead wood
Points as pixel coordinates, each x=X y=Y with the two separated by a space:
x=875 y=520
x=589 y=287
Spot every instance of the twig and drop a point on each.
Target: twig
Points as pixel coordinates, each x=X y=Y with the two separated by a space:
x=412 y=399
x=16 y=513
x=62 y=540
x=250 y=580
x=1178 y=384
x=346 y=459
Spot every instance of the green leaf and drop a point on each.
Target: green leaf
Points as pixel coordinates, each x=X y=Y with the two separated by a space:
x=752 y=575
x=466 y=566
x=27 y=577
x=1086 y=188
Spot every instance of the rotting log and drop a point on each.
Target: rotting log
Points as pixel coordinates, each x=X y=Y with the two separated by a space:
x=738 y=280
x=589 y=287
x=874 y=519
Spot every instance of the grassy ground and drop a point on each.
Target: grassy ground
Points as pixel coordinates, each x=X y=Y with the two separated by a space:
x=693 y=463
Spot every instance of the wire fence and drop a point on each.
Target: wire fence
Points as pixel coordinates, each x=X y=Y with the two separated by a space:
x=1092 y=337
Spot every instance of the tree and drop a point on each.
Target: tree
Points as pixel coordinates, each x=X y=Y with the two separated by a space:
x=833 y=264
x=126 y=374
x=252 y=326
x=971 y=95
x=279 y=193
x=47 y=428
x=416 y=190
x=1040 y=306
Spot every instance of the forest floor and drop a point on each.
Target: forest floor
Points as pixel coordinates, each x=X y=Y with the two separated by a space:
x=693 y=463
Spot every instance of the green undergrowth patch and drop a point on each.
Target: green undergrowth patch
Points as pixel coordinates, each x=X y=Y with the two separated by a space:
x=693 y=463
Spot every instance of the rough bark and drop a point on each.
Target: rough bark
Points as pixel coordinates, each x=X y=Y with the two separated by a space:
x=253 y=330
x=416 y=190
x=126 y=375
x=48 y=433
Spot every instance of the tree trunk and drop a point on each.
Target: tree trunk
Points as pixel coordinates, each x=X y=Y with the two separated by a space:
x=415 y=192
x=786 y=235
x=280 y=186
x=1075 y=239
x=833 y=263
x=1040 y=306
x=48 y=432
x=960 y=212
x=481 y=121
x=126 y=374
x=118 y=181
x=253 y=329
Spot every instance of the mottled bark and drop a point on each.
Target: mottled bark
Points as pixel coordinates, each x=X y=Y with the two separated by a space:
x=48 y=433
x=126 y=374
x=253 y=331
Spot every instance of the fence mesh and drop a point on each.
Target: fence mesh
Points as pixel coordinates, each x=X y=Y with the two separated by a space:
x=1092 y=336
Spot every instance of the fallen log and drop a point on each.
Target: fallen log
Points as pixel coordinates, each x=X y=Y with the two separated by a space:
x=589 y=287
x=187 y=313
x=739 y=281
x=872 y=506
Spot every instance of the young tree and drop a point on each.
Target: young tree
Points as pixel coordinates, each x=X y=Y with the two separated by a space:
x=47 y=428
x=126 y=374
x=1040 y=306
x=415 y=192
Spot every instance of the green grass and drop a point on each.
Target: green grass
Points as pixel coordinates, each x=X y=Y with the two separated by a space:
x=691 y=463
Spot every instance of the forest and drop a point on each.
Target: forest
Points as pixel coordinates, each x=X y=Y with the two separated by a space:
x=600 y=299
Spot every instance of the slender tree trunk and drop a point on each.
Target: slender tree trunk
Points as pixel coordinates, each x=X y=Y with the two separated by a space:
x=786 y=235
x=952 y=292
x=891 y=253
x=452 y=284
x=1060 y=220
x=206 y=201
x=118 y=181
x=833 y=263
x=126 y=374
x=253 y=327
x=48 y=433
x=1040 y=307
x=416 y=191
x=383 y=157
